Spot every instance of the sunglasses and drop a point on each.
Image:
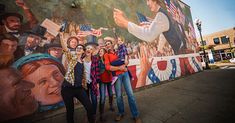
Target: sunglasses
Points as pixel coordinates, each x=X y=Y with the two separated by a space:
x=89 y=48
x=79 y=48
x=107 y=44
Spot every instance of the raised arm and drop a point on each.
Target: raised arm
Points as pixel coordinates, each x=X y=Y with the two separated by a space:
x=63 y=42
x=29 y=15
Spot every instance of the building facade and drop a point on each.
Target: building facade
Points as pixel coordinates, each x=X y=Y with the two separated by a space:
x=219 y=45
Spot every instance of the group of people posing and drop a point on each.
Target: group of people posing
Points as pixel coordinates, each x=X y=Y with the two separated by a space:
x=87 y=68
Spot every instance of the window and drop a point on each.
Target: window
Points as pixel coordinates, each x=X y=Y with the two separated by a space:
x=224 y=40
x=216 y=41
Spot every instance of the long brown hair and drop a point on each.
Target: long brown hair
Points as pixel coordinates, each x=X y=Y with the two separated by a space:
x=105 y=51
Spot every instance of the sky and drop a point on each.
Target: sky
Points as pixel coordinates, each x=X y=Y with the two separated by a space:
x=216 y=15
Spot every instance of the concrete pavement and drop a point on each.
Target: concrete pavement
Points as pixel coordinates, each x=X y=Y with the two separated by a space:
x=205 y=97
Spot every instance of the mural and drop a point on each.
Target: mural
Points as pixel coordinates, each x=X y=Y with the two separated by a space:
x=164 y=68
x=161 y=45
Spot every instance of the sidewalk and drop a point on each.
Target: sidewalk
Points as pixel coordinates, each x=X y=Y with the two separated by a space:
x=223 y=64
x=205 y=97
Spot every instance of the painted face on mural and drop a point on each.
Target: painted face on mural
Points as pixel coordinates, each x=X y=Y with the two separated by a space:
x=48 y=80
x=101 y=43
x=16 y=99
x=153 y=5
x=12 y=23
x=55 y=52
x=32 y=41
x=8 y=47
x=73 y=43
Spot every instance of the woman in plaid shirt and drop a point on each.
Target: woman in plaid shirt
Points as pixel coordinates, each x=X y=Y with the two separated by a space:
x=91 y=66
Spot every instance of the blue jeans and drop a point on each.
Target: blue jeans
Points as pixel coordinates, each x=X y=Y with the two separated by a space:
x=92 y=96
x=103 y=91
x=125 y=80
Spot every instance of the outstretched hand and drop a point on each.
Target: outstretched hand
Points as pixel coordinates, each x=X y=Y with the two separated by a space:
x=120 y=18
x=21 y=4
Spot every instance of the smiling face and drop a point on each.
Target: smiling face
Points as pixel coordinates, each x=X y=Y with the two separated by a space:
x=16 y=98
x=48 y=80
x=73 y=43
x=108 y=45
x=80 y=50
x=120 y=41
x=102 y=52
x=89 y=50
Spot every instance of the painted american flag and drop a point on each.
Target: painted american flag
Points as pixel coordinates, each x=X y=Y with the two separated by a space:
x=90 y=31
x=176 y=13
x=96 y=32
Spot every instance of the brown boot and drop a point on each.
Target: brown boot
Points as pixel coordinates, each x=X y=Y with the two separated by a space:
x=137 y=120
x=119 y=117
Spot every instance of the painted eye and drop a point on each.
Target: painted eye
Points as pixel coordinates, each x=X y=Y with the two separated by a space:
x=42 y=82
x=56 y=74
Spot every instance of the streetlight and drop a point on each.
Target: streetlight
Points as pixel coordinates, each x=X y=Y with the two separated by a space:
x=230 y=47
x=199 y=24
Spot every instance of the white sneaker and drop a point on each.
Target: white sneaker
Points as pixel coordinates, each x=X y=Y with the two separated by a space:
x=114 y=79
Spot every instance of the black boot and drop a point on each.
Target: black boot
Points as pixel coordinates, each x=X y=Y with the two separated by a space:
x=92 y=119
x=111 y=108
x=101 y=109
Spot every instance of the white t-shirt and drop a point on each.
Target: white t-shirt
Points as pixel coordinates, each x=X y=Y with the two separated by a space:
x=87 y=67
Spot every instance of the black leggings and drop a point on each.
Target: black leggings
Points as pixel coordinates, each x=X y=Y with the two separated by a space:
x=68 y=93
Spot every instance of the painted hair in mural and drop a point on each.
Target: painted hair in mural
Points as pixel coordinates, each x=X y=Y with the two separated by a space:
x=47 y=75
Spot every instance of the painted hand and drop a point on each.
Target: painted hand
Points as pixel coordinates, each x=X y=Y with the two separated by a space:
x=145 y=65
x=119 y=18
x=21 y=4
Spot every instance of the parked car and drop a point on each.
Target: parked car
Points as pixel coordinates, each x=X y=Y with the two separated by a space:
x=232 y=60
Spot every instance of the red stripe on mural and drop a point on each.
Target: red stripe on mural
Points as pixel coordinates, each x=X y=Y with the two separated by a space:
x=199 y=59
x=189 y=66
x=182 y=66
x=132 y=69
